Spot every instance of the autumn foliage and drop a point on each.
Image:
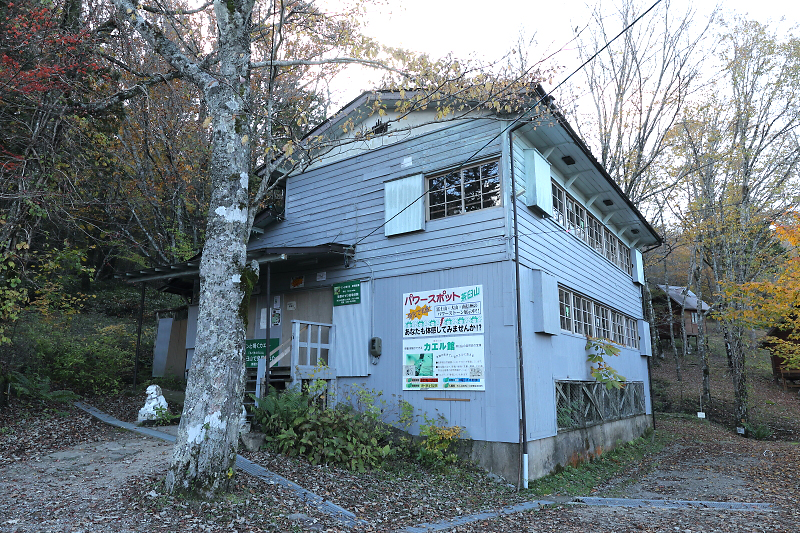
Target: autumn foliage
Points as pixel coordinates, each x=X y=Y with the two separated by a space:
x=774 y=302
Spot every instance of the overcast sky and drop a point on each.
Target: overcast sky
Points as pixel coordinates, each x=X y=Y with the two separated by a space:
x=489 y=29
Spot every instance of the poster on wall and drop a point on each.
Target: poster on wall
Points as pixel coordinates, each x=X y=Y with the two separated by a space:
x=444 y=363
x=443 y=312
x=347 y=293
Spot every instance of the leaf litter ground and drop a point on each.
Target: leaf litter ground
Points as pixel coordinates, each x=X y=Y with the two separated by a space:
x=63 y=471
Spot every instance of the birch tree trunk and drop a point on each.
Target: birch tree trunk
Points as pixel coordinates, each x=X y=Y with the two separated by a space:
x=205 y=451
x=705 y=395
x=208 y=435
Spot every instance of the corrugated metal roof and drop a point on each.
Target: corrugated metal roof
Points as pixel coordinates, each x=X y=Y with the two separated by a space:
x=685 y=297
x=191 y=268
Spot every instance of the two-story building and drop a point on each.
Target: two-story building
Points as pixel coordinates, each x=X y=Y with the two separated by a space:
x=459 y=266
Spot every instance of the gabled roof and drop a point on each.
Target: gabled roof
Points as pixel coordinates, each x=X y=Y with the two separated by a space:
x=553 y=137
x=560 y=142
x=685 y=297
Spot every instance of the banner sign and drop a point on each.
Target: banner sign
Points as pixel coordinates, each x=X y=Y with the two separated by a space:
x=443 y=312
x=444 y=363
x=255 y=349
x=347 y=293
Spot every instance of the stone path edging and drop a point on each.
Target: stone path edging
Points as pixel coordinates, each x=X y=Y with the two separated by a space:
x=349 y=519
x=461 y=520
x=673 y=504
x=327 y=507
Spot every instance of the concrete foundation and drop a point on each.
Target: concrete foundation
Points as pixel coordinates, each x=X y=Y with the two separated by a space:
x=565 y=448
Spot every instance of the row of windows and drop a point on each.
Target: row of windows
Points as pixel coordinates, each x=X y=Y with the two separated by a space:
x=464 y=190
x=586 y=317
x=574 y=217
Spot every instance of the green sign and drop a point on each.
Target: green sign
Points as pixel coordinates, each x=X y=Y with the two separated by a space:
x=347 y=293
x=255 y=349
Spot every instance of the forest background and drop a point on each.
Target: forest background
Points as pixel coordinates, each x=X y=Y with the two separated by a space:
x=107 y=153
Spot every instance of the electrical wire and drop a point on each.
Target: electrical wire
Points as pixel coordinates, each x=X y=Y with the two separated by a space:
x=520 y=117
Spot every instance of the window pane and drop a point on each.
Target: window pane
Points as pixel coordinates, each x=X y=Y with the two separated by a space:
x=491 y=186
x=436 y=191
x=472 y=203
x=453 y=188
x=558 y=205
x=490 y=171
x=471 y=174
x=564 y=303
x=453 y=208
x=437 y=211
x=468 y=189
x=472 y=189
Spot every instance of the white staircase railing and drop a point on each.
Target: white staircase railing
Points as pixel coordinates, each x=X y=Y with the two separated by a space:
x=312 y=350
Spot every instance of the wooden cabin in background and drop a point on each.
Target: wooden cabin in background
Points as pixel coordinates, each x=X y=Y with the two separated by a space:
x=686 y=308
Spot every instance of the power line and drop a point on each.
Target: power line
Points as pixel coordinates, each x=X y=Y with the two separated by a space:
x=519 y=118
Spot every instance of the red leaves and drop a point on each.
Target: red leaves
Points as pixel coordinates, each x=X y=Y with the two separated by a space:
x=37 y=55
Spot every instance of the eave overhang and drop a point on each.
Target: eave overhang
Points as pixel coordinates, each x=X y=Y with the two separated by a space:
x=285 y=254
x=556 y=139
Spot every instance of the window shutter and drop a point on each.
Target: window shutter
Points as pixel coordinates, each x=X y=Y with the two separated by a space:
x=644 y=338
x=398 y=195
x=538 y=191
x=638 y=266
x=545 y=303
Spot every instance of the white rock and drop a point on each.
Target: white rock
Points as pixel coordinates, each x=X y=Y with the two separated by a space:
x=154 y=399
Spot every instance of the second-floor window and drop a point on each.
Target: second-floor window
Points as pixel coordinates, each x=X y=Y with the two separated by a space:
x=570 y=214
x=461 y=191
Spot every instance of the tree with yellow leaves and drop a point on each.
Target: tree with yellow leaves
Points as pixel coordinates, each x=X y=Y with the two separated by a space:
x=739 y=156
x=775 y=301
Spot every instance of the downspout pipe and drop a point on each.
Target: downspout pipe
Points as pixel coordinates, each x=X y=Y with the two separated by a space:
x=264 y=385
x=523 y=436
x=139 y=336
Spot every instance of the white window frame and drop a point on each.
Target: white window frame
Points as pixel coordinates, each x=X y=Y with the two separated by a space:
x=463 y=199
x=559 y=205
x=631 y=333
x=586 y=317
x=602 y=321
x=565 y=308
x=582 y=311
x=576 y=219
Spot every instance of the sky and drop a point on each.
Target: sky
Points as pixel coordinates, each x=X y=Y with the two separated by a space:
x=487 y=30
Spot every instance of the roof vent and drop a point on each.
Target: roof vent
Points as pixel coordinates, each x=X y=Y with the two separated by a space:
x=608 y=202
x=568 y=160
x=380 y=128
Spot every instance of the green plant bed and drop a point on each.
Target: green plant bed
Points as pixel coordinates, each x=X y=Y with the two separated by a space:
x=297 y=423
